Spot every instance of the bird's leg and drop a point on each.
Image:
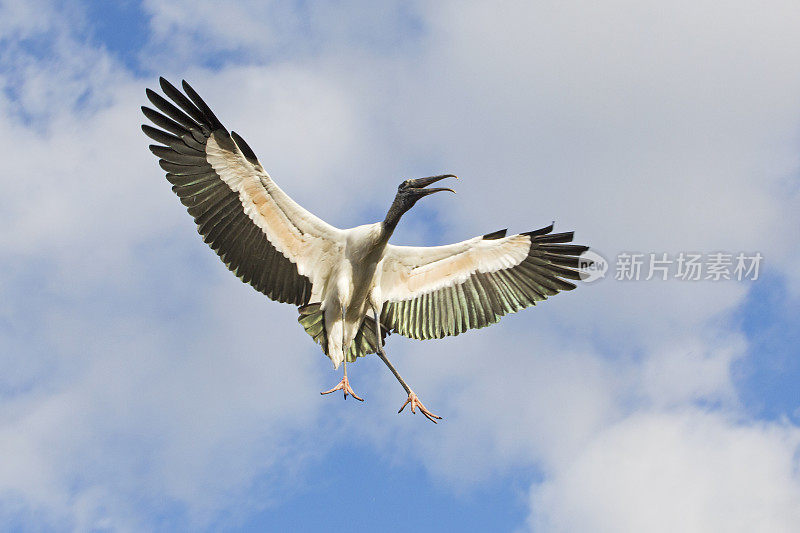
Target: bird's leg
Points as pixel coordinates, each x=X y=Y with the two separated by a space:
x=412 y=398
x=344 y=385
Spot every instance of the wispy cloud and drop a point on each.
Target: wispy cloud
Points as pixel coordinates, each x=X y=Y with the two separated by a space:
x=143 y=384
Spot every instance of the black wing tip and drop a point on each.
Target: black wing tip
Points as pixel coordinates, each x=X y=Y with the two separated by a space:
x=165 y=84
x=148 y=127
x=187 y=88
x=499 y=234
x=244 y=147
x=149 y=112
x=191 y=113
x=553 y=238
x=198 y=101
x=541 y=231
x=567 y=286
x=156 y=147
x=555 y=242
x=153 y=133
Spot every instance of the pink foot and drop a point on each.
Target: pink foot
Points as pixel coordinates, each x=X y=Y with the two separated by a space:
x=414 y=401
x=344 y=386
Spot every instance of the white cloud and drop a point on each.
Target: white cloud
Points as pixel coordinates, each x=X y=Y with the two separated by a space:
x=676 y=471
x=263 y=32
x=156 y=376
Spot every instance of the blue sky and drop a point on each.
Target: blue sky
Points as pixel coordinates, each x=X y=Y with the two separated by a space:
x=144 y=387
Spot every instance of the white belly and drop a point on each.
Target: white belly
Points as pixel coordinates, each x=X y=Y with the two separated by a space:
x=345 y=308
x=347 y=292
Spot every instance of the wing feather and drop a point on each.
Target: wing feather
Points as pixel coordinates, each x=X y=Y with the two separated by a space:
x=445 y=290
x=262 y=235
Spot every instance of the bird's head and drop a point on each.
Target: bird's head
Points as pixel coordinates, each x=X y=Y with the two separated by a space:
x=412 y=190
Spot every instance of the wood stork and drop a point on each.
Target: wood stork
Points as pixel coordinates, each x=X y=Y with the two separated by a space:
x=352 y=287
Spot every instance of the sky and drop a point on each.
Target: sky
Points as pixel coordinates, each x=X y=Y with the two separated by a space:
x=143 y=387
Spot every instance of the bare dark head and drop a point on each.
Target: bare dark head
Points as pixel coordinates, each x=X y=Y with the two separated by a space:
x=410 y=191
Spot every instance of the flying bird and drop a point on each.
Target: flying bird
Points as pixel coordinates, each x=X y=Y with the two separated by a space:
x=351 y=286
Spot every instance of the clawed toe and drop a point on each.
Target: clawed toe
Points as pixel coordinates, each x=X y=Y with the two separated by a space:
x=345 y=387
x=414 y=401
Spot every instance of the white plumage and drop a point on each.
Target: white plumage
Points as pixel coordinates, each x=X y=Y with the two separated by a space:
x=352 y=287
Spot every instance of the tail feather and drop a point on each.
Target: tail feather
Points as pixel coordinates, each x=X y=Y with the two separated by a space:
x=312 y=318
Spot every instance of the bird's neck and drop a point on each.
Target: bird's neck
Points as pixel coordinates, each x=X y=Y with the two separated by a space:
x=397 y=210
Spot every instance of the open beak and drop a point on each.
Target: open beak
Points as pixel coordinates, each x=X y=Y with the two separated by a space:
x=420 y=183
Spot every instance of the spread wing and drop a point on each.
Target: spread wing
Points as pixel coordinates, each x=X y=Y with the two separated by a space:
x=262 y=235
x=432 y=292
